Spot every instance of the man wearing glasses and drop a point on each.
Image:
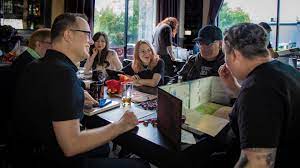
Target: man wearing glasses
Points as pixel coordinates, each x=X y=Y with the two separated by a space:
x=50 y=101
x=39 y=43
x=210 y=57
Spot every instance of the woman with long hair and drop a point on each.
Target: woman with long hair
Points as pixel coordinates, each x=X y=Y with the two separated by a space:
x=162 y=42
x=101 y=56
x=147 y=68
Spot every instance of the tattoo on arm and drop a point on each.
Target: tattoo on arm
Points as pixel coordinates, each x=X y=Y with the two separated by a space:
x=257 y=157
x=243 y=161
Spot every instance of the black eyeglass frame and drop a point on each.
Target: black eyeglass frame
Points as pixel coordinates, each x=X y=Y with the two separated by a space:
x=83 y=31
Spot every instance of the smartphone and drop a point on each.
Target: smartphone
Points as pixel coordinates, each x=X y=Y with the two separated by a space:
x=104 y=102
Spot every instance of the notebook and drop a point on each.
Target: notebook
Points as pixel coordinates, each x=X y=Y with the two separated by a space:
x=97 y=110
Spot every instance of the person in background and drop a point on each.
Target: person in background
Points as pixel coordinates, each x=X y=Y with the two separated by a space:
x=101 y=56
x=10 y=44
x=210 y=57
x=147 y=68
x=265 y=116
x=39 y=42
x=162 y=42
x=268 y=28
x=50 y=100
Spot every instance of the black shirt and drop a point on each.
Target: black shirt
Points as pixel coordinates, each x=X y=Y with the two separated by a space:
x=20 y=62
x=48 y=91
x=197 y=67
x=162 y=38
x=147 y=73
x=267 y=111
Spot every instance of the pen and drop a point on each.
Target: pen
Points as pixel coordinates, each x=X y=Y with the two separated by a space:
x=148 y=120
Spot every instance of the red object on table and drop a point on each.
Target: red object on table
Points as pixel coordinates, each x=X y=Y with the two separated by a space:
x=113 y=86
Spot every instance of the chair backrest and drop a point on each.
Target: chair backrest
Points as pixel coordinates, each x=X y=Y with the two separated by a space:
x=126 y=62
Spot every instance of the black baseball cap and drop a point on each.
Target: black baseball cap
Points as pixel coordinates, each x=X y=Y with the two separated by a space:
x=208 y=34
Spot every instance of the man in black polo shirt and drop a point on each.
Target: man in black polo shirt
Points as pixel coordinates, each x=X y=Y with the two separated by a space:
x=210 y=57
x=266 y=114
x=50 y=100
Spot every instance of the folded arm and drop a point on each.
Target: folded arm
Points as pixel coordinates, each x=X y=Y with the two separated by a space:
x=148 y=82
x=257 y=158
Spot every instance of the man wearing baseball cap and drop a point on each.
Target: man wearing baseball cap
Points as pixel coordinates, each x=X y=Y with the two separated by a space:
x=210 y=57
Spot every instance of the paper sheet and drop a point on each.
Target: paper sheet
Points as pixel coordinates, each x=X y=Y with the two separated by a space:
x=116 y=114
x=205 y=123
x=187 y=137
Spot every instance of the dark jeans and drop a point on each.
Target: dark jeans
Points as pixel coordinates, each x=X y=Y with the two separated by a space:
x=98 y=157
x=220 y=151
x=169 y=65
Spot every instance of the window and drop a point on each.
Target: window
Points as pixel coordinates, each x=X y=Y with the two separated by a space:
x=289 y=26
x=110 y=18
x=141 y=22
x=255 y=11
x=21 y=14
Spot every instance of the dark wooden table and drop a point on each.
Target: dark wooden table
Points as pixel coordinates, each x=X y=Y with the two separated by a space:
x=144 y=141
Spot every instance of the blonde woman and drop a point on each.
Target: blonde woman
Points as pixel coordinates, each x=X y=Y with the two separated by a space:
x=147 y=68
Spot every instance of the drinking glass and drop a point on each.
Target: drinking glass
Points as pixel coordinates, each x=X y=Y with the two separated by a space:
x=126 y=93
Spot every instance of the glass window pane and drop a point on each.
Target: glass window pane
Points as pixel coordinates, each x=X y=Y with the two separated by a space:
x=141 y=22
x=254 y=11
x=21 y=14
x=289 y=30
x=109 y=17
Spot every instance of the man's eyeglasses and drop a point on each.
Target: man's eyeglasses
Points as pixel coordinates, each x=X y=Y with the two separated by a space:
x=201 y=44
x=83 y=31
x=46 y=42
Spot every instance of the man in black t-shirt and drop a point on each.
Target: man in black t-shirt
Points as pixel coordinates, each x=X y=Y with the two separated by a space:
x=50 y=100
x=265 y=116
x=210 y=57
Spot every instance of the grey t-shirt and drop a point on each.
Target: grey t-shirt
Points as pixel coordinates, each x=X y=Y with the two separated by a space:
x=162 y=37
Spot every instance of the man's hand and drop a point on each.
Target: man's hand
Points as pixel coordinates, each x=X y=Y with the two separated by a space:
x=88 y=99
x=127 y=122
x=228 y=79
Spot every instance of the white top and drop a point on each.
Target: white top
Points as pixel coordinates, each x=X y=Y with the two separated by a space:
x=114 y=62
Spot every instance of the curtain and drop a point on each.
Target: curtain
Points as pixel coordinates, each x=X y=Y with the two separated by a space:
x=214 y=8
x=82 y=6
x=167 y=8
